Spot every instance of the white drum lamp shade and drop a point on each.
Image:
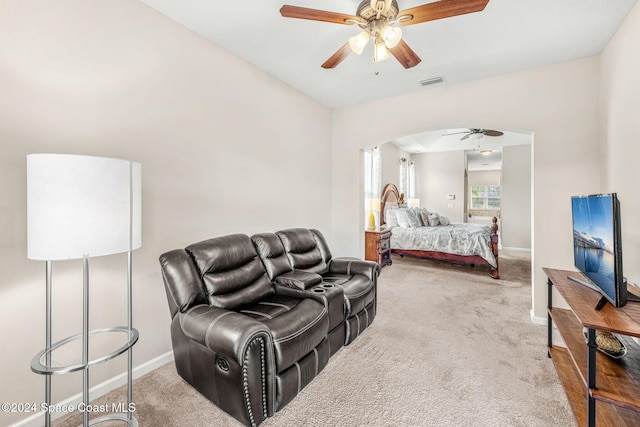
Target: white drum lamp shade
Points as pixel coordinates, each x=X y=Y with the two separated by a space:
x=82 y=206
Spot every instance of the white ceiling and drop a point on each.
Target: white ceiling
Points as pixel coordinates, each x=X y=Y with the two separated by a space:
x=508 y=36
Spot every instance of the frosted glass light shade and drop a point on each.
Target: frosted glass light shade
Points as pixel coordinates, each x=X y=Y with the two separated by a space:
x=358 y=42
x=82 y=206
x=391 y=36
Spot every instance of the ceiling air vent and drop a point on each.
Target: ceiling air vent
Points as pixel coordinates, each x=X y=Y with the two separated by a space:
x=432 y=81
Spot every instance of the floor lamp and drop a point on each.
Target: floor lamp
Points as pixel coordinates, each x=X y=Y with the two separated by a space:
x=79 y=207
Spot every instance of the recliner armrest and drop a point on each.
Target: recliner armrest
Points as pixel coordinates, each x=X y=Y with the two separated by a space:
x=370 y=269
x=222 y=331
x=299 y=293
x=298 y=279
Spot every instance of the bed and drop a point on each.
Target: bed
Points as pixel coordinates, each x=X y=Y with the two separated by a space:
x=466 y=243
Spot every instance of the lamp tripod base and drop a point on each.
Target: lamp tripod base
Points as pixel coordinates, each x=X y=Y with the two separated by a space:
x=131 y=421
x=42 y=362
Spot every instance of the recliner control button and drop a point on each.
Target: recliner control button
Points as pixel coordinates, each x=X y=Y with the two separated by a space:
x=223 y=364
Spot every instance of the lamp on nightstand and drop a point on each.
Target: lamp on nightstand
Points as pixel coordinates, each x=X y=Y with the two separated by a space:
x=372 y=206
x=80 y=207
x=413 y=203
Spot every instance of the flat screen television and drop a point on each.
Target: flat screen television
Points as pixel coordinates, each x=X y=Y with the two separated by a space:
x=597 y=245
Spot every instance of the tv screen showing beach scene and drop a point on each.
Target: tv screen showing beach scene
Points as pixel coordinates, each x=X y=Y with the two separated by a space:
x=595 y=240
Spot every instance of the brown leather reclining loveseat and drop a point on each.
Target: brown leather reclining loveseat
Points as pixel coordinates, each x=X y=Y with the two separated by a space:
x=255 y=319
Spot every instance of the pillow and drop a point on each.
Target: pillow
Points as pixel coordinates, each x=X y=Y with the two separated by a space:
x=423 y=216
x=390 y=218
x=434 y=219
x=403 y=219
x=414 y=217
x=444 y=221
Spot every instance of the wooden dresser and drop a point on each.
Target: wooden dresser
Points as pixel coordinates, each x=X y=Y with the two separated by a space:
x=377 y=246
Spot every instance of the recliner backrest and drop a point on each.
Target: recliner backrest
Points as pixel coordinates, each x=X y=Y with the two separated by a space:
x=302 y=250
x=272 y=253
x=232 y=273
x=182 y=281
x=322 y=245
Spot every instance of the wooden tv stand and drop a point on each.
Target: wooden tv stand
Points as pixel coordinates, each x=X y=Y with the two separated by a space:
x=601 y=390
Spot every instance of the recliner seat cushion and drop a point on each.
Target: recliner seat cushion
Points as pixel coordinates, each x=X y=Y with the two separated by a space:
x=358 y=290
x=297 y=326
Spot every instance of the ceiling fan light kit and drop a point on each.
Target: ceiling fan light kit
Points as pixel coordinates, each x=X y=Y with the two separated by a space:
x=379 y=20
x=379 y=27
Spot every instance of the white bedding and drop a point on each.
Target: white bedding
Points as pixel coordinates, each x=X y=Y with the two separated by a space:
x=455 y=238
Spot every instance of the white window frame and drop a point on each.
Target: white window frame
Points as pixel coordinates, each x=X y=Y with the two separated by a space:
x=487 y=193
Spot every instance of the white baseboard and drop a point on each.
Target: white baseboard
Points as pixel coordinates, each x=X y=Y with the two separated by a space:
x=37 y=420
x=538 y=320
x=508 y=248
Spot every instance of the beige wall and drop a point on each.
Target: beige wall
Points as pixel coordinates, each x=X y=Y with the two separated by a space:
x=437 y=175
x=620 y=128
x=483 y=178
x=224 y=148
x=515 y=224
x=558 y=104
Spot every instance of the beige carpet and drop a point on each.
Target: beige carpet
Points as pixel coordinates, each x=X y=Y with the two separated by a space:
x=449 y=347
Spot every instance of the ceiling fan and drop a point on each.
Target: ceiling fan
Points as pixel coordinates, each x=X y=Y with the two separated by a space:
x=476 y=133
x=379 y=21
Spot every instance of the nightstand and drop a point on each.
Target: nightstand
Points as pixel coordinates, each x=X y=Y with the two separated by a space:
x=377 y=246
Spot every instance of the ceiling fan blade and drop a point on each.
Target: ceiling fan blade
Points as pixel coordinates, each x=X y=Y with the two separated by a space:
x=405 y=55
x=337 y=57
x=493 y=133
x=465 y=137
x=441 y=9
x=316 y=15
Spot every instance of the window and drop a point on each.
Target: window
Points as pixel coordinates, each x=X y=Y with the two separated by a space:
x=485 y=197
x=407 y=179
x=372 y=173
